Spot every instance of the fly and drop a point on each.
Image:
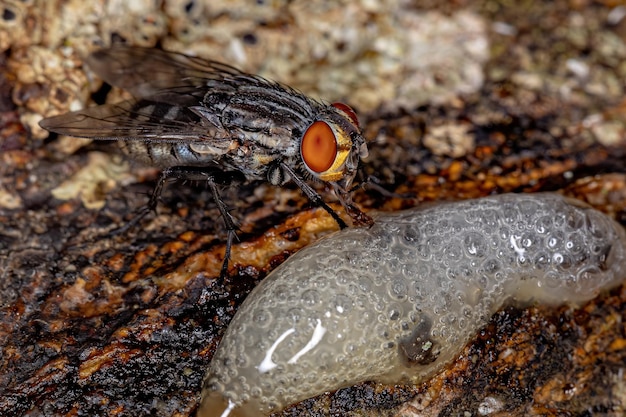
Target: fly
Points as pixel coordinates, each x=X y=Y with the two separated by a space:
x=198 y=119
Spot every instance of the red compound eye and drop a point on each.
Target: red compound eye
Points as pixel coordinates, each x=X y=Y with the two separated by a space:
x=348 y=111
x=318 y=147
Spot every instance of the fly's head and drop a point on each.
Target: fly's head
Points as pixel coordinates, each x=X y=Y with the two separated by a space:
x=331 y=148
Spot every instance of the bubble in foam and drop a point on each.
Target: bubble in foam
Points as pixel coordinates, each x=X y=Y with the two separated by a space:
x=395 y=302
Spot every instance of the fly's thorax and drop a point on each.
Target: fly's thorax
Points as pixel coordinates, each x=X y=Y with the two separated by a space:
x=331 y=146
x=259 y=111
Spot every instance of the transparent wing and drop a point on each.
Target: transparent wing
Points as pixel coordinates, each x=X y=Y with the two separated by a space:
x=171 y=102
x=146 y=72
x=144 y=119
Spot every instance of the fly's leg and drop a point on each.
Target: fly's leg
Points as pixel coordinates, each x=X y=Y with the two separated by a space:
x=231 y=226
x=375 y=184
x=315 y=198
x=166 y=175
x=212 y=178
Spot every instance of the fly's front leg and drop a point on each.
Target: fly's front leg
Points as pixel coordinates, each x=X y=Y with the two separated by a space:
x=315 y=198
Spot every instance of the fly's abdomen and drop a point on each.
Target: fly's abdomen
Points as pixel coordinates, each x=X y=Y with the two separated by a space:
x=165 y=155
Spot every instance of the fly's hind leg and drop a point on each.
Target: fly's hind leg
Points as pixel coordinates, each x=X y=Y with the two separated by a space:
x=166 y=175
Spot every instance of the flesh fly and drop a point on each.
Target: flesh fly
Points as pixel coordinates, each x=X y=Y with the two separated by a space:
x=198 y=119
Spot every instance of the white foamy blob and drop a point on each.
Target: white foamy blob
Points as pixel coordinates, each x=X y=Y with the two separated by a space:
x=395 y=302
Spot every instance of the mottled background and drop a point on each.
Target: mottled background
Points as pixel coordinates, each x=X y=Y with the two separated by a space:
x=458 y=99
